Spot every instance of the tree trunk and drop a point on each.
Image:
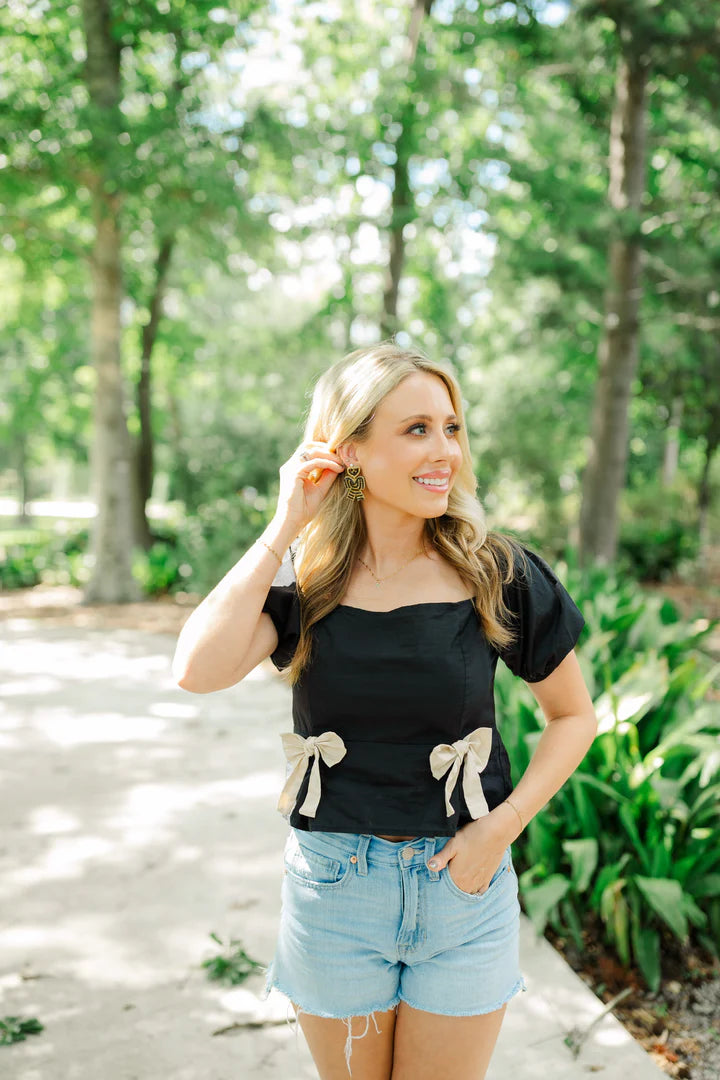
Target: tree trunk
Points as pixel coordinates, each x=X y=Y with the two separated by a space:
x=23 y=515
x=704 y=496
x=671 y=454
x=401 y=214
x=181 y=485
x=143 y=448
x=111 y=457
x=402 y=210
x=604 y=476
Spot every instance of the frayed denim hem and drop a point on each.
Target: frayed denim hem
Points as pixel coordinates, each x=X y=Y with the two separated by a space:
x=519 y=985
x=330 y=1016
x=271 y=982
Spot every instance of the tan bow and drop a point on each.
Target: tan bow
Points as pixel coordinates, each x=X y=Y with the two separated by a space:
x=474 y=751
x=328 y=746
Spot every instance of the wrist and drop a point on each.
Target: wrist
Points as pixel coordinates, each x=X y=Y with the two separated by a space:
x=280 y=533
x=497 y=824
x=512 y=817
x=504 y=820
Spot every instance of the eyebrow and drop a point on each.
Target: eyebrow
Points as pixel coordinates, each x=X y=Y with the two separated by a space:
x=424 y=416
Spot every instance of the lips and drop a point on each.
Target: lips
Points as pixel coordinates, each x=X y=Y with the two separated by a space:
x=436 y=486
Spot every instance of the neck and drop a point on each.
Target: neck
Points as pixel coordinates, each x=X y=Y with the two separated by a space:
x=392 y=536
x=386 y=554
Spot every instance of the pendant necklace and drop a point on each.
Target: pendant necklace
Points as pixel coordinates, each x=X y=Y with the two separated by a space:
x=379 y=581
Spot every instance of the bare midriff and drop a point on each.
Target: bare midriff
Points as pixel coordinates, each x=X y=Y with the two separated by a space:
x=395 y=837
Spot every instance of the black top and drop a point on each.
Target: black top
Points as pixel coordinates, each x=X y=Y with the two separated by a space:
x=394 y=685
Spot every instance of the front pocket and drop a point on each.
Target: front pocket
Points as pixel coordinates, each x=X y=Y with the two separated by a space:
x=502 y=870
x=309 y=867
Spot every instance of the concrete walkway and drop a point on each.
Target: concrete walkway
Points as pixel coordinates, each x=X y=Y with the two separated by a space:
x=137 y=819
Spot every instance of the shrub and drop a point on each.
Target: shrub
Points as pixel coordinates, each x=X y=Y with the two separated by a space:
x=24 y=556
x=215 y=536
x=655 y=539
x=634 y=834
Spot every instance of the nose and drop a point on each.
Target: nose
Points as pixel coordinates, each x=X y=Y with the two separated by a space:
x=447 y=448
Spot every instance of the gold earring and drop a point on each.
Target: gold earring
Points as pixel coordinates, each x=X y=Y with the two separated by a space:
x=354 y=482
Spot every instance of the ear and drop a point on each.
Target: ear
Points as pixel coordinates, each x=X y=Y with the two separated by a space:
x=346 y=453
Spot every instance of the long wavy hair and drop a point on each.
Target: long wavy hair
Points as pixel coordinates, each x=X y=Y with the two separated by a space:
x=343 y=405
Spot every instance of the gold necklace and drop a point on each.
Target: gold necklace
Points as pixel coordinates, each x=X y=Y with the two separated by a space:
x=379 y=581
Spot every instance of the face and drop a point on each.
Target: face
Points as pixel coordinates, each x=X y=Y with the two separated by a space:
x=414 y=433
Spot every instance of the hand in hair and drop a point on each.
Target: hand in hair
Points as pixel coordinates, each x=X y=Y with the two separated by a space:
x=304 y=484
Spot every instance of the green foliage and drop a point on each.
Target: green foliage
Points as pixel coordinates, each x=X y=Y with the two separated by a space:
x=14 y=1029
x=634 y=835
x=655 y=537
x=191 y=555
x=212 y=540
x=234 y=966
x=21 y=558
x=31 y=556
x=499 y=131
x=160 y=569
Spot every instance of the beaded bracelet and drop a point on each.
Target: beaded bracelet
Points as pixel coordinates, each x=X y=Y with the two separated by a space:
x=271 y=549
x=516 y=811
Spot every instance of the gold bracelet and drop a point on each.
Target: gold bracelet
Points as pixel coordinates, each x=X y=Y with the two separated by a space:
x=516 y=811
x=271 y=549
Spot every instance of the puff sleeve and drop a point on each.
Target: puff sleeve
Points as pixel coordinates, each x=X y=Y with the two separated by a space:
x=546 y=620
x=282 y=604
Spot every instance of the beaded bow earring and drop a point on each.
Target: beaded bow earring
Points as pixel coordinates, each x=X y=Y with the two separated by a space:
x=354 y=482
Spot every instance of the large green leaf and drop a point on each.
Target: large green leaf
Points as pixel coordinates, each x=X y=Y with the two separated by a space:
x=646 y=947
x=585 y=810
x=642 y=685
x=665 y=897
x=707 y=885
x=694 y=913
x=621 y=928
x=701 y=718
x=600 y=785
x=626 y=814
x=608 y=876
x=583 y=855
x=541 y=899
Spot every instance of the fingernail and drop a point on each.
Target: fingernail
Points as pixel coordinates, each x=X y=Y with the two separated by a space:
x=432 y=864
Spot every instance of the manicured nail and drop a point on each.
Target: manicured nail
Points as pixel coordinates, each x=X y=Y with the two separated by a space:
x=432 y=864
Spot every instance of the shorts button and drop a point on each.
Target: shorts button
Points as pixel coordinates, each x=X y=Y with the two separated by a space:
x=353 y=858
x=408 y=853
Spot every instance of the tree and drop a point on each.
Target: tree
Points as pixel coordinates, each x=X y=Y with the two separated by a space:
x=652 y=39
x=604 y=475
x=112 y=536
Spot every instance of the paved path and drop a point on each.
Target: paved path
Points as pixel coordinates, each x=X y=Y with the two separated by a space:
x=137 y=819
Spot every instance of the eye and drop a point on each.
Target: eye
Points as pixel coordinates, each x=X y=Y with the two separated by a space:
x=453 y=427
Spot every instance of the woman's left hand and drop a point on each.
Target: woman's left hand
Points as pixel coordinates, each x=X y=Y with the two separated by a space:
x=475 y=851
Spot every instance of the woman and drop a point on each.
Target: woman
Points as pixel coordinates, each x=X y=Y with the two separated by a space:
x=388 y=615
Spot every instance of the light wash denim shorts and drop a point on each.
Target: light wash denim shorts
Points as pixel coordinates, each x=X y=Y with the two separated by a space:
x=365 y=923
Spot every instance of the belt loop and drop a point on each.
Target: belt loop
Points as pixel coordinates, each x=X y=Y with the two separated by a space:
x=363 y=843
x=429 y=852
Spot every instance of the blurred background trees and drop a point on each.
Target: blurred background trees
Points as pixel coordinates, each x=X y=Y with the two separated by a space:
x=203 y=206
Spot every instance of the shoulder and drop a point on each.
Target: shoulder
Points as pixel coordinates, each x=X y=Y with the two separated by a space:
x=529 y=569
x=535 y=594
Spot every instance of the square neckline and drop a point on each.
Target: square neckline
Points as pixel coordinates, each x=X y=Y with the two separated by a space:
x=402 y=607
x=405 y=607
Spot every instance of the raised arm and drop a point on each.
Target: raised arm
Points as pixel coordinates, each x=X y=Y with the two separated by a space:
x=217 y=638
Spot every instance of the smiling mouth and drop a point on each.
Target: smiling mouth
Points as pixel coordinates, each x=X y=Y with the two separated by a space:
x=433 y=485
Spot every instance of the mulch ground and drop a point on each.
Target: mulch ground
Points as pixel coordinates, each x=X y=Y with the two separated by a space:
x=679 y=1024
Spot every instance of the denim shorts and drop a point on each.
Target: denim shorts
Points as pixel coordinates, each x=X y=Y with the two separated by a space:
x=365 y=924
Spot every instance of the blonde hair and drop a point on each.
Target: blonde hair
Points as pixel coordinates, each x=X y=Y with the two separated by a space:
x=343 y=405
